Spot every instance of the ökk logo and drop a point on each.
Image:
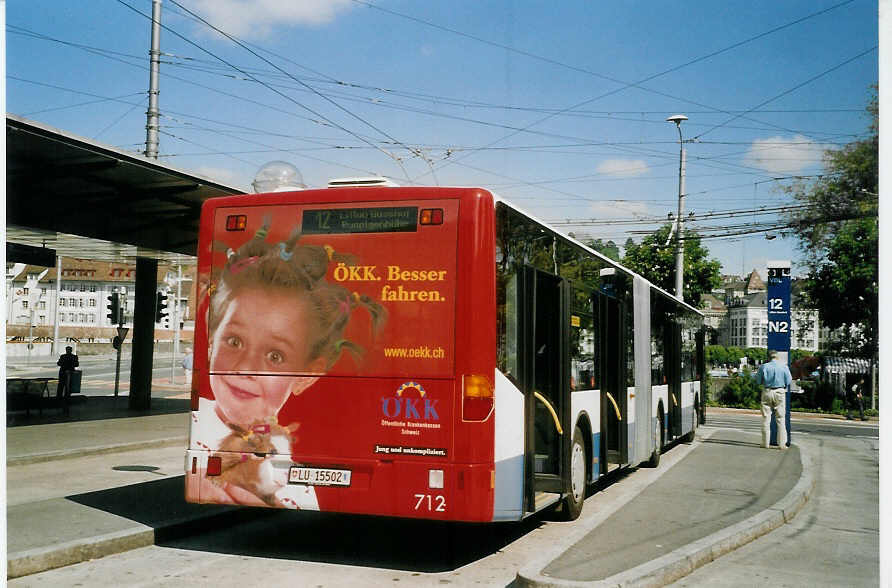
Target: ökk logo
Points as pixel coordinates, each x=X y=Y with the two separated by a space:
x=401 y=405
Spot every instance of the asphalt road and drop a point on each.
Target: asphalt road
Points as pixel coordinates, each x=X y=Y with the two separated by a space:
x=99 y=374
x=807 y=426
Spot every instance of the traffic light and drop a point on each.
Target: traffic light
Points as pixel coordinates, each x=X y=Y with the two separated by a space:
x=114 y=309
x=160 y=307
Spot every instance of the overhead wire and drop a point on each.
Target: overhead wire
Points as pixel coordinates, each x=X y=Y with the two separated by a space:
x=793 y=89
x=420 y=149
x=238 y=42
x=282 y=94
x=624 y=84
x=485 y=171
x=217 y=69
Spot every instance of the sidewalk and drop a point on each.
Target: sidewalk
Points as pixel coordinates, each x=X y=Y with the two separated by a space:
x=684 y=519
x=90 y=516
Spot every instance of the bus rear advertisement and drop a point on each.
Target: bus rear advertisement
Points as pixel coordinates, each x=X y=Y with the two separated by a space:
x=374 y=350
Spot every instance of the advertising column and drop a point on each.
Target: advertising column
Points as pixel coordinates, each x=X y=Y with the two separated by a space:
x=779 y=324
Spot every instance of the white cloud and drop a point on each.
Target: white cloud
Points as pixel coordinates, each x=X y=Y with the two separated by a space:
x=782 y=155
x=622 y=168
x=255 y=19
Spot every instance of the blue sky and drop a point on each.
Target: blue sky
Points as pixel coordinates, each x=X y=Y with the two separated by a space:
x=559 y=107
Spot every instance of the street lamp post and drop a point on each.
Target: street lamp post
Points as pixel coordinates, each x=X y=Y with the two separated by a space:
x=679 y=220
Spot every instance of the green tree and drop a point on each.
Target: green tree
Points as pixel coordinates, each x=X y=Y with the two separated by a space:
x=716 y=355
x=838 y=232
x=609 y=248
x=654 y=258
x=756 y=355
x=735 y=354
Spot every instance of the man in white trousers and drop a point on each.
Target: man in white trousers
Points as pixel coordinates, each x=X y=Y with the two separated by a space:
x=775 y=377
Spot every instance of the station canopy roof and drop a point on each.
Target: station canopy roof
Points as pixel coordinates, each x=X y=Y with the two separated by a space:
x=93 y=201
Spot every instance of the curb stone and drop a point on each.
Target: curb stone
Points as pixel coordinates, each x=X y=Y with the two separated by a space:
x=33 y=561
x=98 y=450
x=681 y=562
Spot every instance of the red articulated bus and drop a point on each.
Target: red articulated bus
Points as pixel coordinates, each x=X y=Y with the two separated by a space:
x=423 y=352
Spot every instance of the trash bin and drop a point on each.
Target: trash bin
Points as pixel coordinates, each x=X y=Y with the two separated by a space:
x=75 y=382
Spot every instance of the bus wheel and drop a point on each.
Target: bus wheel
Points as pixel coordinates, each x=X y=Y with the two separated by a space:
x=654 y=460
x=572 y=505
x=689 y=436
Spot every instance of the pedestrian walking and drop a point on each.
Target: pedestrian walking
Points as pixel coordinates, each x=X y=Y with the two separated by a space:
x=856 y=397
x=67 y=362
x=187 y=366
x=774 y=376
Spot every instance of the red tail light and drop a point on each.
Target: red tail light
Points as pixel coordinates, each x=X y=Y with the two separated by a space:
x=236 y=222
x=477 y=398
x=215 y=465
x=193 y=386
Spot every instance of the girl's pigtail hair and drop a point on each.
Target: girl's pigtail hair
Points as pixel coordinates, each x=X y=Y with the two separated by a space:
x=257 y=246
x=355 y=350
x=377 y=312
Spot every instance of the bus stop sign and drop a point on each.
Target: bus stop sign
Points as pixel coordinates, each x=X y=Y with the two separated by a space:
x=779 y=326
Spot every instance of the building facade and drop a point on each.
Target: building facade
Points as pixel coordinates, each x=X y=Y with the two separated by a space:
x=36 y=301
x=743 y=322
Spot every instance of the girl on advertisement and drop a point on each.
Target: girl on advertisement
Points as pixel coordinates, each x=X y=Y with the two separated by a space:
x=275 y=325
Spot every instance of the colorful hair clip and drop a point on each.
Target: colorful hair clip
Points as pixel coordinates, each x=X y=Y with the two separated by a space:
x=242 y=264
x=285 y=255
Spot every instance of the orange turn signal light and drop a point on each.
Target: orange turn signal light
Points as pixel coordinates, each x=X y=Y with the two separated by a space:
x=477 y=398
x=431 y=216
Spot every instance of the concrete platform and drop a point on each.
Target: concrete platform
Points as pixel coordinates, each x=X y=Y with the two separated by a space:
x=726 y=492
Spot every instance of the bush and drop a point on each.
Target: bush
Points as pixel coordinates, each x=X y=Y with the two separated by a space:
x=742 y=391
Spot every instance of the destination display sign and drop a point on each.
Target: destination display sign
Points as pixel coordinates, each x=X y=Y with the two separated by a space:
x=403 y=219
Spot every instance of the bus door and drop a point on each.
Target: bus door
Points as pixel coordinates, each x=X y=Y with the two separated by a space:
x=544 y=378
x=614 y=404
x=673 y=377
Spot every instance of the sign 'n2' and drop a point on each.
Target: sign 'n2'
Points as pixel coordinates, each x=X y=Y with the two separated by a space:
x=779 y=312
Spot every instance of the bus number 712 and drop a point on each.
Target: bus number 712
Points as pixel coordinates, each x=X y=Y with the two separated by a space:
x=434 y=503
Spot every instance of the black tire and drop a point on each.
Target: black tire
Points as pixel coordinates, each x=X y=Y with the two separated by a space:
x=654 y=460
x=689 y=436
x=571 y=507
